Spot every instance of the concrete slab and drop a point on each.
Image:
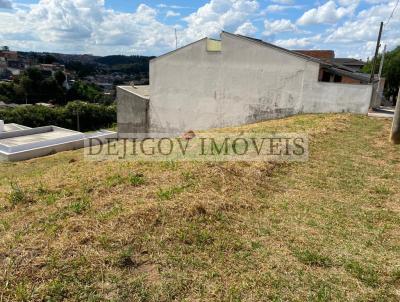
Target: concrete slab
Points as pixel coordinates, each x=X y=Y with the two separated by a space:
x=142 y=90
x=14 y=127
x=31 y=143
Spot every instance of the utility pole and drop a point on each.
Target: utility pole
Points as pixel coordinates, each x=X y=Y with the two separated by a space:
x=378 y=45
x=176 y=39
x=78 y=126
x=382 y=61
x=395 y=135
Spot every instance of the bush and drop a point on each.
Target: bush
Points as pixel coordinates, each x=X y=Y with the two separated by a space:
x=91 y=116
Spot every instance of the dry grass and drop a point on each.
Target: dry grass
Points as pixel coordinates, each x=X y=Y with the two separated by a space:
x=326 y=230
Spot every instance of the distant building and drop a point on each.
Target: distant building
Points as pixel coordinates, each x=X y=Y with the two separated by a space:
x=50 y=69
x=356 y=65
x=14 y=64
x=348 y=67
x=9 y=55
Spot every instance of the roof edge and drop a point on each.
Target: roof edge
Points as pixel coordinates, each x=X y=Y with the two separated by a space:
x=263 y=43
x=178 y=49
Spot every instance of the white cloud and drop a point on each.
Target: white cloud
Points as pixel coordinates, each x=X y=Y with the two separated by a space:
x=377 y=1
x=219 y=15
x=295 y=43
x=359 y=35
x=172 y=13
x=278 y=26
x=86 y=26
x=163 y=5
x=278 y=8
x=366 y=25
x=6 y=4
x=287 y=2
x=246 y=29
x=328 y=13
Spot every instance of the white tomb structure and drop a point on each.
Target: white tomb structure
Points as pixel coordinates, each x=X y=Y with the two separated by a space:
x=22 y=143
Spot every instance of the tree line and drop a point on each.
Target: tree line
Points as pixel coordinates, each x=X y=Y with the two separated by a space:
x=34 y=86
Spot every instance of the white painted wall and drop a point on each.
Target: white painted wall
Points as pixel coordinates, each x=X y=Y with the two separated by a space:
x=246 y=82
x=324 y=97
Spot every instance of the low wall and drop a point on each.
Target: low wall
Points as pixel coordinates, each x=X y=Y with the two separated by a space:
x=324 y=97
x=132 y=112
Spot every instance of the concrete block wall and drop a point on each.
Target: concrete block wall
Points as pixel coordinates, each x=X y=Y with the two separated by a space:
x=132 y=112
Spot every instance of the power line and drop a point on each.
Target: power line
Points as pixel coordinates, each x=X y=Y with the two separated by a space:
x=392 y=14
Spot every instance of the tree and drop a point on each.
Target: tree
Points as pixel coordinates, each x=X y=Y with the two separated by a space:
x=391 y=71
x=50 y=90
x=84 y=92
x=60 y=77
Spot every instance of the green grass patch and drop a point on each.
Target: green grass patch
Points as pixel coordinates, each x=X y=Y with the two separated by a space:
x=363 y=272
x=312 y=258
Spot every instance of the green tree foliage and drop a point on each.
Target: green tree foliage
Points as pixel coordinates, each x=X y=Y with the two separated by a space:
x=91 y=116
x=84 y=91
x=60 y=77
x=47 y=59
x=81 y=69
x=34 y=86
x=391 y=70
x=12 y=92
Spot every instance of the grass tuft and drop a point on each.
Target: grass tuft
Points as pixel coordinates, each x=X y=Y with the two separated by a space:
x=18 y=195
x=137 y=180
x=81 y=205
x=312 y=258
x=365 y=273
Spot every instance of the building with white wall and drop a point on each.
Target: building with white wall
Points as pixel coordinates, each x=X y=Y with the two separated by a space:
x=234 y=81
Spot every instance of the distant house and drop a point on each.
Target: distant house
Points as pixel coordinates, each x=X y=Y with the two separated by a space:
x=14 y=64
x=50 y=69
x=9 y=55
x=352 y=66
x=356 y=65
x=234 y=81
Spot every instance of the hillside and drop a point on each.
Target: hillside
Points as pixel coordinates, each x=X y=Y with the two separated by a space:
x=85 y=65
x=325 y=230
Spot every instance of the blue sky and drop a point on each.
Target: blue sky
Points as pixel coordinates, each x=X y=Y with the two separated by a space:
x=104 y=27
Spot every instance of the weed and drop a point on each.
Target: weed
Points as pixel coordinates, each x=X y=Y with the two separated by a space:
x=170 y=165
x=313 y=259
x=168 y=194
x=81 y=205
x=364 y=273
x=110 y=213
x=382 y=190
x=22 y=292
x=322 y=292
x=51 y=199
x=137 y=180
x=114 y=180
x=18 y=195
x=4 y=225
x=56 y=291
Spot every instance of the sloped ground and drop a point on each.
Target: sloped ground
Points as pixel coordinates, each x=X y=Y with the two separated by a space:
x=325 y=230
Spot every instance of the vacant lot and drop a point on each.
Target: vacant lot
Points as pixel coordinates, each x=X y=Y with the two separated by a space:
x=325 y=230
